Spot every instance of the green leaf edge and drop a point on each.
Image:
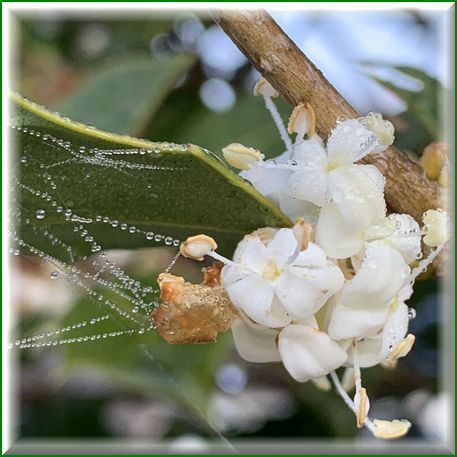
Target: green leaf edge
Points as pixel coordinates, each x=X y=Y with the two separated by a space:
x=202 y=154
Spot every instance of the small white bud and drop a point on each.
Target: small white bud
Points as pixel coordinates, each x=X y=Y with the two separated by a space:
x=241 y=157
x=362 y=405
x=384 y=130
x=196 y=247
x=434 y=159
x=263 y=87
x=302 y=121
x=322 y=383
x=391 y=429
x=400 y=350
x=436 y=227
x=348 y=381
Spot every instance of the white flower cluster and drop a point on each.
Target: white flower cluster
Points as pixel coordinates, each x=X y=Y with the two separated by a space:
x=329 y=292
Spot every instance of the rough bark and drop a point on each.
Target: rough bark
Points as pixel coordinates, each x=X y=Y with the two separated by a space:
x=297 y=79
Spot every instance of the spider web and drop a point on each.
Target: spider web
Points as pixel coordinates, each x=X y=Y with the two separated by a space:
x=118 y=297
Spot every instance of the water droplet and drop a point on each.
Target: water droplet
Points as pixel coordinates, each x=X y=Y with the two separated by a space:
x=149 y=235
x=168 y=241
x=54 y=275
x=40 y=213
x=124 y=226
x=132 y=229
x=411 y=313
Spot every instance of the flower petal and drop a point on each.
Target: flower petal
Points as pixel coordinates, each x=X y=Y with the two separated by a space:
x=311 y=152
x=268 y=181
x=308 y=352
x=254 y=296
x=366 y=298
x=407 y=236
x=395 y=330
x=298 y=208
x=313 y=257
x=308 y=282
x=252 y=253
x=349 y=322
x=368 y=352
x=339 y=238
x=357 y=195
x=309 y=184
x=350 y=141
x=282 y=247
x=254 y=342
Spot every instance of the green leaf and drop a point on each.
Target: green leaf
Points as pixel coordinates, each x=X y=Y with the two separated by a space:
x=184 y=118
x=165 y=188
x=122 y=96
x=422 y=116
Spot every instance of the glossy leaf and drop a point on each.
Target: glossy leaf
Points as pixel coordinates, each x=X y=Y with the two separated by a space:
x=69 y=171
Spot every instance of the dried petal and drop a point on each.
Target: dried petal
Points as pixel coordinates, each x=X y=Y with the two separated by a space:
x=391 y=429
x=212 y=274
x=191 y=313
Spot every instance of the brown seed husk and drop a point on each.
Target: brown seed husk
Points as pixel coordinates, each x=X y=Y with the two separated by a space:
x=192 y=313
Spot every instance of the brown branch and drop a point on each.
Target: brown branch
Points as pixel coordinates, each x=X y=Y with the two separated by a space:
x=297 y=79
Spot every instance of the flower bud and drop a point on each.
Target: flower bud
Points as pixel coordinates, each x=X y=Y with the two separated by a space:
x=433 y=159
x=384 y=130
x=241 y=157
x=436 y=227
x=302 y=121
x=391 y=429
x=322 y=383
x=196 y=247
x=263 y=87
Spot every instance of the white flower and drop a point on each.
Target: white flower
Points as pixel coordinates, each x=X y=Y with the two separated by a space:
x=362 y=306
x=330 y=174
x=341 y=239
x=272 y=182
x=377 y=348
x=276 y=283
x=306 y=352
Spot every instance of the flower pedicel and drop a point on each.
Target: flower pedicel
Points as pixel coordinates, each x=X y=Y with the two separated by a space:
x=327 y=293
